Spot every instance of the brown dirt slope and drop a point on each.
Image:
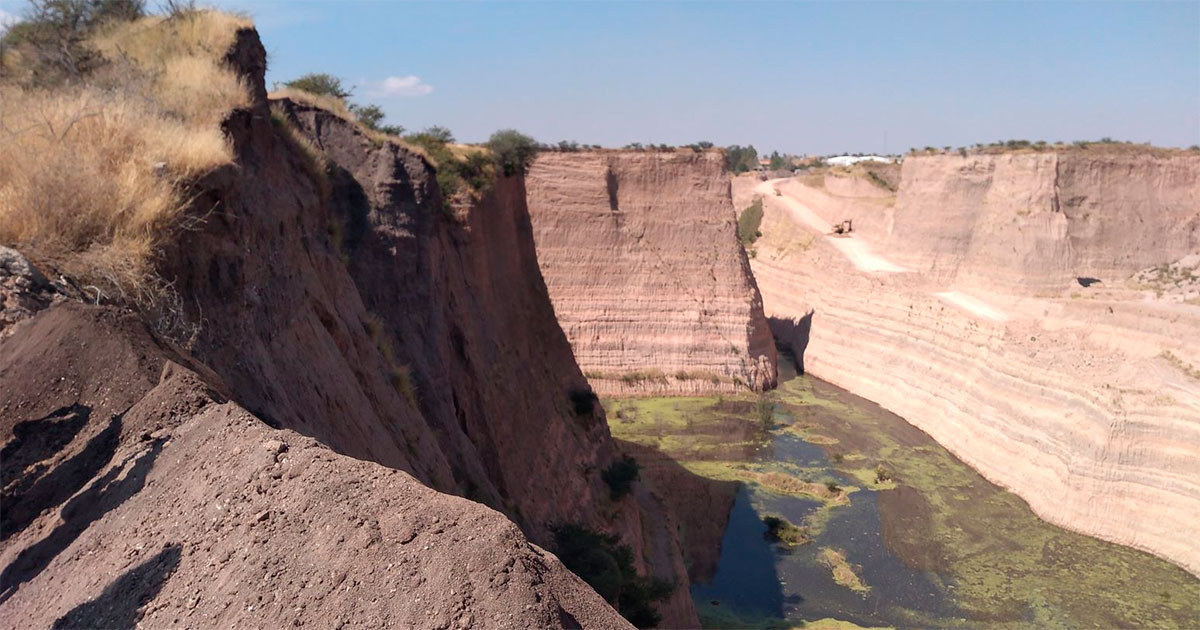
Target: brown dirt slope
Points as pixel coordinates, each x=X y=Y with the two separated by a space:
x=135 y=495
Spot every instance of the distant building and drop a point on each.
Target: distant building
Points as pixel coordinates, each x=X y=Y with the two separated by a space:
x=848 y=160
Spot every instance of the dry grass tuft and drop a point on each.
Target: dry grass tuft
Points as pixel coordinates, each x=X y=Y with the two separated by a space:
x=93 y=175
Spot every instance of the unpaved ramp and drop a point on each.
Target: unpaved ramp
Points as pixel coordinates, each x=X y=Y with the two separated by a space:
x=857 y=251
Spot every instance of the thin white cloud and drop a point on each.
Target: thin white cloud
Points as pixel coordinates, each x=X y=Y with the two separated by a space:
x=410 y=85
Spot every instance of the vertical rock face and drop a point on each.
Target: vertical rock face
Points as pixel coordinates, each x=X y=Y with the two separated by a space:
x=1084 y=400
x=1038 y=221
x=649 y=281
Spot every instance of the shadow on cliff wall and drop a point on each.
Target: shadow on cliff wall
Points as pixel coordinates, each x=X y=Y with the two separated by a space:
x=709 y=512
x=104 y=495
x=791 y=336
x=120 y=605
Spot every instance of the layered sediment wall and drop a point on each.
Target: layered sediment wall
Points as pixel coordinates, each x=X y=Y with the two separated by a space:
x=1038 y=221
x=642 y=260
x=959 y=306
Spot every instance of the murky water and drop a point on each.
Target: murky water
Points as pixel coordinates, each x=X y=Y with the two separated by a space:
x=926 y=544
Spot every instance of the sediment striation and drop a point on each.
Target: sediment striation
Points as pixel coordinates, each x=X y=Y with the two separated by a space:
x=961 y=305
x=401 y=349
x=648 y=278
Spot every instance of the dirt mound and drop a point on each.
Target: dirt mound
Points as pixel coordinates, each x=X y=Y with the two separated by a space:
x=154 y=502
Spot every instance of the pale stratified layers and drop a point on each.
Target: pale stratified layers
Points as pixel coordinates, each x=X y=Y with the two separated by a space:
x=1084 y=401
x=648 y=278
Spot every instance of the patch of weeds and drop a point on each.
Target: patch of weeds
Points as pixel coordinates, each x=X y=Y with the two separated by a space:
x=781 y=530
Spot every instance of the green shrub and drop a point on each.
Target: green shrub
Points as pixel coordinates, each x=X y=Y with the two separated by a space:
x=471 y=173
x=593 y=556
x=779 y=529
x=583 y=400
x=620 y=476
x=750 y=221
x=882 y=474
x=320 y=83
x=512 y=151
x=371 y=117
x=741 y=159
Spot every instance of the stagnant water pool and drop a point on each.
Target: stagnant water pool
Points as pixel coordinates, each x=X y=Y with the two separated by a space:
x=875 y=524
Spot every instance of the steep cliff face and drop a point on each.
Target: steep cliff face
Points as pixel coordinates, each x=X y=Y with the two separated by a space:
x=1038 y=221
x=330 y=295
x=649 y=281
x=1083 y=400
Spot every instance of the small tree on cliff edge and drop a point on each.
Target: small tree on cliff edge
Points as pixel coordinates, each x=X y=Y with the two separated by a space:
x=320 y=83
x=512 y=150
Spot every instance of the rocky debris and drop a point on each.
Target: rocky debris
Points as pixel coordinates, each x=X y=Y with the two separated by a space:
x=1177 y=281
x=23 y=289
x=651 y=285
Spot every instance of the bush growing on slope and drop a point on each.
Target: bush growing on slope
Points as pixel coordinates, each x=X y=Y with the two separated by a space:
x=512 y=151
x=607 y=566
x=620 y=477
x=321 y=84
x=750 y=221
x=583 y=400
x=327 y=92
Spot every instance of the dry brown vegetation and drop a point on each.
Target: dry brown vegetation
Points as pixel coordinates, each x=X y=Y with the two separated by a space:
x=94 y=173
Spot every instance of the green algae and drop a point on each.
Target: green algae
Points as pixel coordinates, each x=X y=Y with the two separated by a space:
x=1005 y=562
x=999 y=564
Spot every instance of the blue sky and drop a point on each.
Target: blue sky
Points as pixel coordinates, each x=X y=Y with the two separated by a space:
x=803 y=77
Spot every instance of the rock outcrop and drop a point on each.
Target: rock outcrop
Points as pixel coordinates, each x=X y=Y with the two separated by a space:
x=650 y=283
x=327 y=293
x=1084 y=400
